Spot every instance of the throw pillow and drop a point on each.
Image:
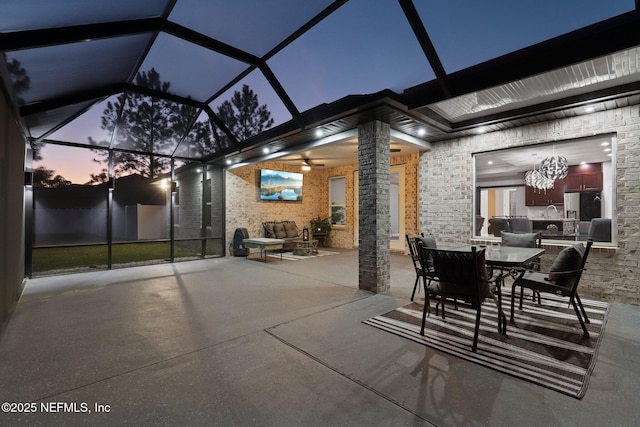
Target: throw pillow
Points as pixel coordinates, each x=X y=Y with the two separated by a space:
x=522 y=240
x=279 y=230
x=567 y=260
x=429 y=241
x=268 y=230
x=291 y=229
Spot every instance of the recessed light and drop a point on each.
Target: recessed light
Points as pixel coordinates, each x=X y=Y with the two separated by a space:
x=604 y=144
x=589 y=109
x=606 y=150
x=265 y=150
x=422 y=132
x=228 y=161
x=490 y=162
x=482 y=129
x=319 y=132
x=583 y=162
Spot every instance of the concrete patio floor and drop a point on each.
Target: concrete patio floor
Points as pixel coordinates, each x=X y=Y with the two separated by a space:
x=234 y=341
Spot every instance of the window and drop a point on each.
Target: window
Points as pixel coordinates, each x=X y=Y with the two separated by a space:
x=571 y=208
x=337 y=200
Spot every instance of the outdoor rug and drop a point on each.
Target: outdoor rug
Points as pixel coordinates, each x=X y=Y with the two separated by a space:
x=544 y=346
x=291 y=257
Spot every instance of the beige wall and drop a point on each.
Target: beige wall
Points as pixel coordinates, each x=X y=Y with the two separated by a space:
x=446 y=193
x=245 y=210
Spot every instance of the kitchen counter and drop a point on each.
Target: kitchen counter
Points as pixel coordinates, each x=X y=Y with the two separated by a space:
x=543 y=223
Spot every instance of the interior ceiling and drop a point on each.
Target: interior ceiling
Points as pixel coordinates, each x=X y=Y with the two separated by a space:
x=510 y=162
x=327 y=65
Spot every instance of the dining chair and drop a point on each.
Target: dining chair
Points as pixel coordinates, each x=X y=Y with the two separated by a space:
x=600 y=229
x=498 y=225
x=524 y=240
x=563 y=279
x=520 y=224
x=462 y=276
x=415 y=258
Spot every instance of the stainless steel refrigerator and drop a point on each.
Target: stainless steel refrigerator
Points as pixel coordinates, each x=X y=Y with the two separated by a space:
x=585 y=205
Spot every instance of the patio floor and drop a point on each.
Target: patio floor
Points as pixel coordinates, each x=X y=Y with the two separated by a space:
x=235 y=341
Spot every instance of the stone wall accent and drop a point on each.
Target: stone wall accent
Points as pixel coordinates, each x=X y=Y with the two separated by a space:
x=446 y=193
x=189 y=204
x=374 y=226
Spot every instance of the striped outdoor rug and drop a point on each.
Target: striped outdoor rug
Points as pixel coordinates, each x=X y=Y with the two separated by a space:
x=544 y=346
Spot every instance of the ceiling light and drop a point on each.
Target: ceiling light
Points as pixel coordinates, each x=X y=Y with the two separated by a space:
x=482 y=129
x=422 y=132
x=589 y=109
x=319 y=133
x=605 y=144
x=228 y=161
x=490 y=162
x=305 y=166
x=606 y=150
x=265 y=150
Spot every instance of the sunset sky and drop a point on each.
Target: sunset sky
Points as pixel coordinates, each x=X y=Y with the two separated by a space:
x=362 y=48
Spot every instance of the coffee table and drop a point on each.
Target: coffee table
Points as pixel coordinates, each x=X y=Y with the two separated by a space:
x=263 y=243
x=306 y=247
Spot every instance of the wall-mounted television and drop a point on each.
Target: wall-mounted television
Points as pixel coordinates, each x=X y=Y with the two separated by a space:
x=280 y=185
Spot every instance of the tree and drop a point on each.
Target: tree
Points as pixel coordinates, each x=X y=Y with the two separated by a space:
x=243 y=114
x=21 y=84
x=144 y=124
x=43 y=177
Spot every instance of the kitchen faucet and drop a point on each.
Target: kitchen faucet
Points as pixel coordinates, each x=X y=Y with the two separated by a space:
x=555 y=210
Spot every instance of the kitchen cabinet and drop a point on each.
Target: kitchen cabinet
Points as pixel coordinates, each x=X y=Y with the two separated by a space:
x=552 y=196
x=586 y=177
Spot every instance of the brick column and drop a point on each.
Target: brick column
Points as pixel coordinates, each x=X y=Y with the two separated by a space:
x=374 y=226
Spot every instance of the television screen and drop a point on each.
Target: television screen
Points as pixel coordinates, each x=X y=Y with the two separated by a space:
x=280 y=185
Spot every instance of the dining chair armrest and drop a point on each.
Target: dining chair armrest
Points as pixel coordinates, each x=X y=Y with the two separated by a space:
x=567 y=272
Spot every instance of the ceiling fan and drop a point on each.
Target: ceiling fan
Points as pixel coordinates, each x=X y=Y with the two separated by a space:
x=306 y=164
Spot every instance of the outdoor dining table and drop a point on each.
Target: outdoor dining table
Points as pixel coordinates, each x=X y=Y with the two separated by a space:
x=503 y=258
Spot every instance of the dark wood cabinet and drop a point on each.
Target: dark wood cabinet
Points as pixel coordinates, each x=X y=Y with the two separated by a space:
x=552 y=196
x=586 y=177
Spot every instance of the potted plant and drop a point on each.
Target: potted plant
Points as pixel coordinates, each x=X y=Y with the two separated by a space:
x=320 y=225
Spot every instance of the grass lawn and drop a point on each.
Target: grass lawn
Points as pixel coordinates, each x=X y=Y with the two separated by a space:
x=49 y=259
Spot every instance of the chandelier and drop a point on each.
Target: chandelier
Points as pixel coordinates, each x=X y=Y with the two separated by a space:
x=554 y=167
x=536 y=179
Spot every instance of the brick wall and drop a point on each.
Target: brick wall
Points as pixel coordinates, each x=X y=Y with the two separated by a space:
x=245 y=210
x=446 y=193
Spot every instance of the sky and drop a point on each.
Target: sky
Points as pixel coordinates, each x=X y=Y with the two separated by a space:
x=363 y=47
